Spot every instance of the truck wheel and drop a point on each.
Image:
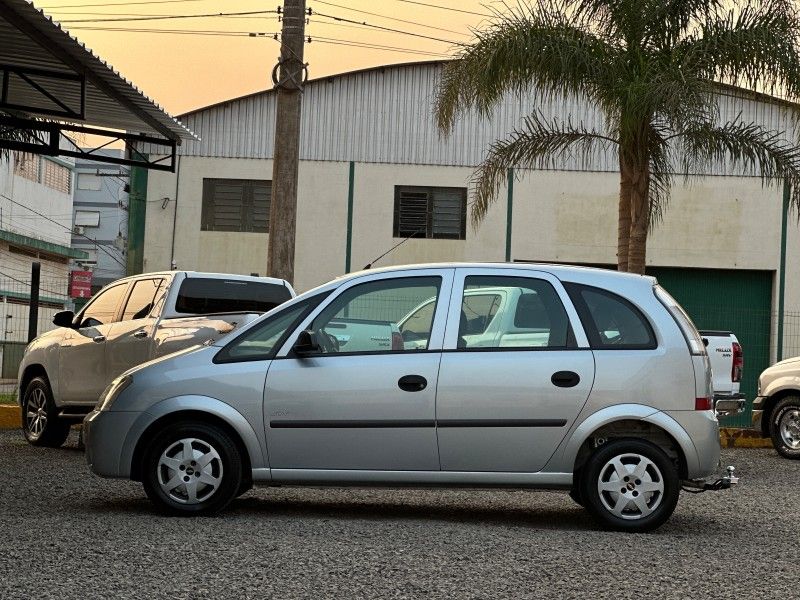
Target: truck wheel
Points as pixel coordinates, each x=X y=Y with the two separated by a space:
x=784 y=427
x=192 y=468
x=630 y=485
x=40 y=422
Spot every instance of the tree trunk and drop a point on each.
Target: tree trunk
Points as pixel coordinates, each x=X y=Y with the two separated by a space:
x=640 y=217
x=624 y=215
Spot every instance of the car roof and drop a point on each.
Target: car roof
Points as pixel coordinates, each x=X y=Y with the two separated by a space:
x=200 y=274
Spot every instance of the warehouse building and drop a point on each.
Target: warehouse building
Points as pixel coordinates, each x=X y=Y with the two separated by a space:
x=374 y=170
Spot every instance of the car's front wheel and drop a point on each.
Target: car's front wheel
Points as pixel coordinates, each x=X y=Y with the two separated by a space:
x=784 y=427
x=630 y=485
x=40 y=422
x=192 y=468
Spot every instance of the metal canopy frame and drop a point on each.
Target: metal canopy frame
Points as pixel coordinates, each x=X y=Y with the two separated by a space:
x=51 y=139
x=36 y=80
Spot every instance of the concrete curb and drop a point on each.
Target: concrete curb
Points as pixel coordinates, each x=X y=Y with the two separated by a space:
x=10 y=418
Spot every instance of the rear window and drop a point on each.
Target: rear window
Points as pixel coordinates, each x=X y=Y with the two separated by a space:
x=201 y=296
x=611 y=322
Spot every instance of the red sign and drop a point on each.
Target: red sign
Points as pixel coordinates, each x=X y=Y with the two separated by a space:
x=80 y=284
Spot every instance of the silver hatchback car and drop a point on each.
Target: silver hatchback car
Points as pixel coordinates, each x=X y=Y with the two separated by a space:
x=523 y=376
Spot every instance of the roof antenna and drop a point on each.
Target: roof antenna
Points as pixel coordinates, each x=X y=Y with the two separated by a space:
x=369 y=264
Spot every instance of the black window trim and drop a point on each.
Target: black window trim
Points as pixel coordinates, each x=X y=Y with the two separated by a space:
x=224 y=357
x=428 y=232
x=590 y=327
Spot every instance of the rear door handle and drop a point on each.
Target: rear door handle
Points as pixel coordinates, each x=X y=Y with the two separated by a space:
x=565 y=379
x=99 y=338
x=140 y=334
x=412 y=383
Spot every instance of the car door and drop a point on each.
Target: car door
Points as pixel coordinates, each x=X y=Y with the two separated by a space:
x=130 y=340
x=368 y=401
x=82 y=366
x=505 y=404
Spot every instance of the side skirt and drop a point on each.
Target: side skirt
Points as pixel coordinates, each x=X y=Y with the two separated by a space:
x=342 y=478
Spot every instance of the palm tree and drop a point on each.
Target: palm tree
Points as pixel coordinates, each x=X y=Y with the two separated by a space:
x=654 y=68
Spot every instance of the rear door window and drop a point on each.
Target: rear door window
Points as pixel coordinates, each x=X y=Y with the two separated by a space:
x=140 y=302
x=203 y=296
x=611 y=322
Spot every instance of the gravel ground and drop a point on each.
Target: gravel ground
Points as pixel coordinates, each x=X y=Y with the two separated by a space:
x=67 y=534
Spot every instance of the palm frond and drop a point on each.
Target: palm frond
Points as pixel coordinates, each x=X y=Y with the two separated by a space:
x=540 y=143
x=755 y=149
x=541 y=50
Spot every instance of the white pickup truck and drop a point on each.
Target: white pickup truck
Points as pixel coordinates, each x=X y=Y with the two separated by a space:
x=727 y=364
x=129 y=322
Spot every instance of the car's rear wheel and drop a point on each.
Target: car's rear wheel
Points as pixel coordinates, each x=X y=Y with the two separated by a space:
x=630 y=485
x=40 y=422
x=784 y=427
x=192 y=468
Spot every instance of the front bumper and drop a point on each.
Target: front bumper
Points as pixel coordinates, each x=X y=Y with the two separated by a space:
x=758 y=415
x=726 y=405
x=104 y=433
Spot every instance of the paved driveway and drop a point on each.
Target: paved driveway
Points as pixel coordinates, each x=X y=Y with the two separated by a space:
x=67 y=534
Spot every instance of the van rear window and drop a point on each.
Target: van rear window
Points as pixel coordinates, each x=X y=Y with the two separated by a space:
x=201 y=296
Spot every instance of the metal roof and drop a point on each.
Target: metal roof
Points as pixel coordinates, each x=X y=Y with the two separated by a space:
x=31 y=39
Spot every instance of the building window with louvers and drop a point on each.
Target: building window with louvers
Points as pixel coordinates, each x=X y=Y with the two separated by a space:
x=430 y=212
x=236 y=205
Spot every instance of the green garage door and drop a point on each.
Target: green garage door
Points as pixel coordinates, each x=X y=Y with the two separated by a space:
x=730 y=300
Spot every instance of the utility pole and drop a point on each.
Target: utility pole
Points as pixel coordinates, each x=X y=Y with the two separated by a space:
x=288 y=76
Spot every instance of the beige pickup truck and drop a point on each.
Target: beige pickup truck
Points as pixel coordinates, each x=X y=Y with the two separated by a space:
x=129 y=322
x=776 y=410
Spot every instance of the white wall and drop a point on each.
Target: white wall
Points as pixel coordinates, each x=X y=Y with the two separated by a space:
x=37 y=196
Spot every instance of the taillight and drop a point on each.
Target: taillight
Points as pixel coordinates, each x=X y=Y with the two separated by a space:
x=703 y=404
x=738 y=362
x=397 y=341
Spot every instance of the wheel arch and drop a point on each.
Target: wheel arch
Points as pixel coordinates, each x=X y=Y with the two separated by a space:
x=631 y=420
x=30 y=373
x=205 y=410
x=769 y=406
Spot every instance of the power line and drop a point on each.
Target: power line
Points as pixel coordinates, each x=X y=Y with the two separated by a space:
x=366 y=45
x=388 y=18
x=458 y=10
x=222 y=33
x=365 y=24
x=98 y=246
x=162 y=17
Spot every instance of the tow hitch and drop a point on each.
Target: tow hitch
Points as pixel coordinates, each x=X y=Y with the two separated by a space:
x=698 y=486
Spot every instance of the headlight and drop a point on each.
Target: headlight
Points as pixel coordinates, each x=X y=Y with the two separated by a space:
x=113 y=391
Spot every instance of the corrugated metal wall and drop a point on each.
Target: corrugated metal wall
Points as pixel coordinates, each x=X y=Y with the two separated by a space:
x=385 y=116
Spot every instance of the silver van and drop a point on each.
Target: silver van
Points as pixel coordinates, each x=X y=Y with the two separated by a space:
x=597 y=384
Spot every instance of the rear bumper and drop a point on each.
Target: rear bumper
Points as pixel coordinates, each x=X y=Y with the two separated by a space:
x=726 y=405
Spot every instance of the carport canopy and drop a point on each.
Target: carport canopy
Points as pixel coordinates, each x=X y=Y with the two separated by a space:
x=51 y=85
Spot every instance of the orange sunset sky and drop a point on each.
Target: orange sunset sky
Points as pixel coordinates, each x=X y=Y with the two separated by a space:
x=183 y=71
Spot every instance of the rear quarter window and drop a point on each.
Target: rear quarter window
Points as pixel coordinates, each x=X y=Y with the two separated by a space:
x=611 y=322
x=202 y=296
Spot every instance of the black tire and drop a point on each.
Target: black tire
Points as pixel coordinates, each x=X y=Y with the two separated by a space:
x=575 y=494
x=40 y=422
x=226 y=467
x=786 y=413
x=658 y=505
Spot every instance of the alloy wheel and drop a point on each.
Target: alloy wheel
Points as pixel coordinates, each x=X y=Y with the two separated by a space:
x=630 y=486
x=36 y=412
x=789 y=427
x=189 y=471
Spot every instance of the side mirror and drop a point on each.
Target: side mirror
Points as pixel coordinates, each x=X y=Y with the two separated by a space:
x=306 y=343
x=63 y=318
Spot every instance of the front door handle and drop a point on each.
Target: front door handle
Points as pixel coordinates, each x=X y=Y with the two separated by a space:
x=140 y=334
x=99 y=338
x=412 y=383
x=565 y=379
